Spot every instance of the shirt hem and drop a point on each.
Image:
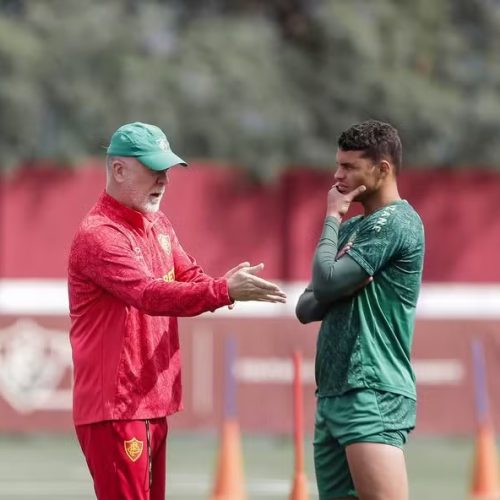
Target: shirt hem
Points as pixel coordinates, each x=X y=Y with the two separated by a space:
x=144 y=416
x=379 y=387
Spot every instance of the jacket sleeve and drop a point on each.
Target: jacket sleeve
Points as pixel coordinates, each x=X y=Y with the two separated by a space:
x=186 y=268
x=105 y=256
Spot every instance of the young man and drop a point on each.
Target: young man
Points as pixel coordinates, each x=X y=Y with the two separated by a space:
x=365 y=283
x=129 y=279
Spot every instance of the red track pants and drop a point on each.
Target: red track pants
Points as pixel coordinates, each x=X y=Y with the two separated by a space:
x=126 y=458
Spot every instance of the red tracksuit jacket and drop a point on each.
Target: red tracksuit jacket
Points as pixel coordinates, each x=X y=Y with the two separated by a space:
x=129 y=278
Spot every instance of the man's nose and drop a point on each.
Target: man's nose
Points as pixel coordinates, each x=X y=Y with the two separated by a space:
x=162 y=178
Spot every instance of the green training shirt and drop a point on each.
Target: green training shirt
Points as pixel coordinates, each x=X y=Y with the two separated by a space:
x=365 y=340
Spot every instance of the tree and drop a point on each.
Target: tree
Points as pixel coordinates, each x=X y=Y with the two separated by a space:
x=257 y=83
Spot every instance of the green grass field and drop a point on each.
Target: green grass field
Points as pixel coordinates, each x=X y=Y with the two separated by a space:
x=47 y=467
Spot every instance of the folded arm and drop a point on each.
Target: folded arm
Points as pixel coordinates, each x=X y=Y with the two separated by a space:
x=332 y=279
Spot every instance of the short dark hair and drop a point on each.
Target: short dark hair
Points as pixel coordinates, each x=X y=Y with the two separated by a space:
x=376 y=139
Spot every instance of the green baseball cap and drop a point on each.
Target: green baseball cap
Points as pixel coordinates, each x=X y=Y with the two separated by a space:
x=145 y=142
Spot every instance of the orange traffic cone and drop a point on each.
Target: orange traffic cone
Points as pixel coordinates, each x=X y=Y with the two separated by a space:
x=485 y=481
x=299 y=490
x=230 y=483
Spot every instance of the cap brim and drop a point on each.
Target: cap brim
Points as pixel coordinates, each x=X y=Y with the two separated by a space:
x=161 y=161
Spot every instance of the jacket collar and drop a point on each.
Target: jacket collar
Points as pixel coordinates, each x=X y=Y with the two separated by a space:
x=117 y=210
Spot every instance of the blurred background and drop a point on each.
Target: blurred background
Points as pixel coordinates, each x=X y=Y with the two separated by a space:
x=253 y=93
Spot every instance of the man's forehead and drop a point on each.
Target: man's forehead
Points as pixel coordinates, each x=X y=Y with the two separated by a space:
x=349 y=155
x=134 y=163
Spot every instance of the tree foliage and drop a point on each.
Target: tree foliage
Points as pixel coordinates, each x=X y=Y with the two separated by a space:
x=263 y=84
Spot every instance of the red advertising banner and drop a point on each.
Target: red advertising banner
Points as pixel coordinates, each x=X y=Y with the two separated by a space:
x=35 y=372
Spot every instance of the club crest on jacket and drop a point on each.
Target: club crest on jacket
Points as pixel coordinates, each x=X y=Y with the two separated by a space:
x=164 y=242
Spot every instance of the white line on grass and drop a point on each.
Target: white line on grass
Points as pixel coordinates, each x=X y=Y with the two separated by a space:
x=183 y=486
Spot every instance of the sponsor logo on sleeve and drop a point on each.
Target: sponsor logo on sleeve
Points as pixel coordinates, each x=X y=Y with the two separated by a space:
x=170 y=276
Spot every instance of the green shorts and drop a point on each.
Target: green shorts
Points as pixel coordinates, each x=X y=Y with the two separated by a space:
x=358 y=416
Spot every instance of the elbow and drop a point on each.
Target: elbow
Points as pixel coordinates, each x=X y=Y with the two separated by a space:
x=302 y=319
x=149 y=305
x=321 y=295
x=149 y=311
x=300 y=314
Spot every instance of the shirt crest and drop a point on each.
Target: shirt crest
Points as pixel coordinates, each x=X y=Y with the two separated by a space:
x=164 y=242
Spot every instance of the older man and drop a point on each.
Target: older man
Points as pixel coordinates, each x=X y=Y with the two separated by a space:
x=129 y=280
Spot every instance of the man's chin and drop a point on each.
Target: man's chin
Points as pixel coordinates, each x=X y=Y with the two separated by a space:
x=149 y=208
x=360 y=197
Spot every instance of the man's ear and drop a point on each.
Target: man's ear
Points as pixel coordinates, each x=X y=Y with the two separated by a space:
x=118 y=169
x=385 y=168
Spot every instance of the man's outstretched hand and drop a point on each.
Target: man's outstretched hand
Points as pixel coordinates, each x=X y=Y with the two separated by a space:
x=244 y=285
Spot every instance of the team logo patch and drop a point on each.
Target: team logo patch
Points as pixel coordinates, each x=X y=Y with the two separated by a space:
x=133 y=448
x=164 y=242
x=163 y=144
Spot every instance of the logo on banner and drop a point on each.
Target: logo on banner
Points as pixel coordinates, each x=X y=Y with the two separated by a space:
x=35 y=364
x=133 y=449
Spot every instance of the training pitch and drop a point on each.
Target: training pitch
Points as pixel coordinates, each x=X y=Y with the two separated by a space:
x=50 y=467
